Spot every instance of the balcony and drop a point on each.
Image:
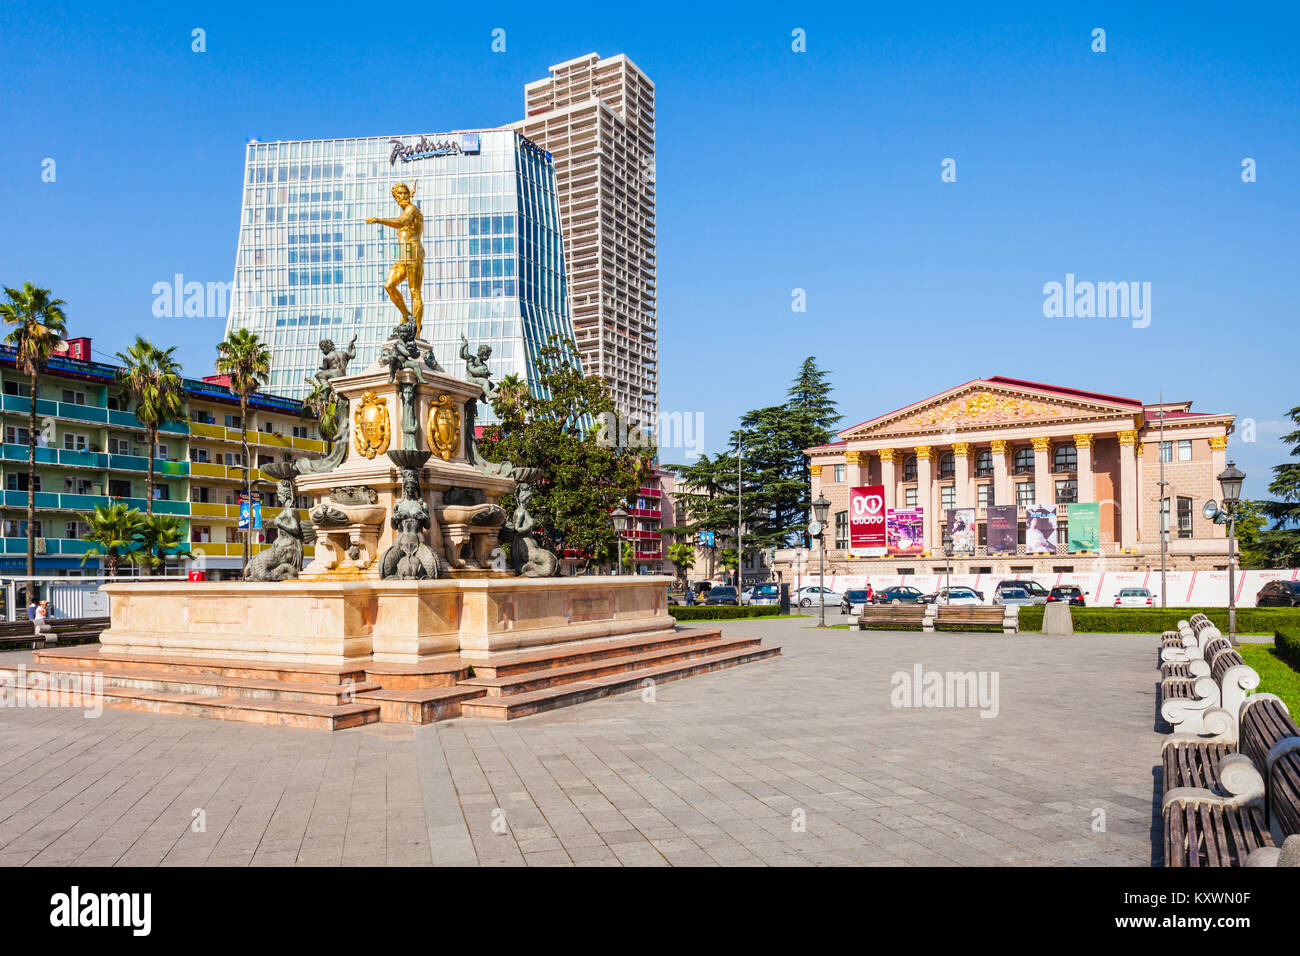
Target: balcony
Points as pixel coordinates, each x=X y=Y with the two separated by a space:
x=53 y=546
x=71 y=458
x=94 y=414
x=52 y=501
x=256 y=438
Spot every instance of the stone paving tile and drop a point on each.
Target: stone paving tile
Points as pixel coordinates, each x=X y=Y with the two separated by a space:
x=799 y=760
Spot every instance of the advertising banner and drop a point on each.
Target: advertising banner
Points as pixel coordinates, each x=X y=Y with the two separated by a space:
x=250 y=518
x=867 y=522
x=1040 y=529
x=1084 y=529
x=1003 y=529
x=905 y=530
x=961 y=528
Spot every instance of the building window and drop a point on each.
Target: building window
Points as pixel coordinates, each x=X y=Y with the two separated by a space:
x=17 y=388
x=984 y=464
x=1025 y=493
x=1067 y=491
x=1065 y=458
x=909 y=498
x=1184 y=517
x=119 y=446
x=839 y=474
x=947 y=497
x=118 y=488
x=160 y=451
x=947 y=466
x=909 y=468
x=76 y=486
x=842 y=530
x=1024 y=461
x=200 y=534
x=16 y=435
x=984 y=494
x=17 y=481
x=232 y=421
x=199 y=455
x=73 y=397
x=75 y=441
x=1185 y=450
x=162 y=493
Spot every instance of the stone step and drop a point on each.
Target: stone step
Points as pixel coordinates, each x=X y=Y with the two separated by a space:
x=420 y=705
x=564 y=695
x=93 y=657
x=525 y=681
x=281 y=713
x=203 y=685
x=520 y=662
x=442 y=671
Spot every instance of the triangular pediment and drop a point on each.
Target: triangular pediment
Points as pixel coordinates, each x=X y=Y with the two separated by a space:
x=984 y=404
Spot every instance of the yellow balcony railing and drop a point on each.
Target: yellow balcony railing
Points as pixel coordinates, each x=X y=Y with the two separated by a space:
x=256 y=438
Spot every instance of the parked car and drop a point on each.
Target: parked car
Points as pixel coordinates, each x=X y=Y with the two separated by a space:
x=1133 y=597
x=1010 y=595
x=854 y=601
x=723 y=594
x=811 y=595
x=899 y=594
x=1067 y=592
x=762 y=594
x=956 y=596
x=1279 y=594
x=1036 y=591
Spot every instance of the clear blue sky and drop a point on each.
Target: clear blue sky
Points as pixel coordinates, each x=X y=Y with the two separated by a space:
x=776 y=170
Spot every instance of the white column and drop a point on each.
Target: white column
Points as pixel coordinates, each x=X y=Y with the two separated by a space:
x=1087 y=485
x=925 y=493
x=888 y=477
x=965 y=483
x=1043 y=490
x=857 y=468
x=1001 y=476
x=1128 y=491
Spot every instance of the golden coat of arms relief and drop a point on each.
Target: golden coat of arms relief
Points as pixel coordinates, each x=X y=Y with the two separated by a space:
x=984 y=407
x=443 y=427
x=370 y=428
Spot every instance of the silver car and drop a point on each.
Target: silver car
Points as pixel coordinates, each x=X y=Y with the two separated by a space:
x=810 y=596
x=1009 y=595
x=762 y=594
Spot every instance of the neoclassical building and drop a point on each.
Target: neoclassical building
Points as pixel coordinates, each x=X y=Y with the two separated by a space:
x=1003 y=441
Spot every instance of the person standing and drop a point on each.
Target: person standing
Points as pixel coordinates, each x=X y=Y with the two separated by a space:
x=41 y=621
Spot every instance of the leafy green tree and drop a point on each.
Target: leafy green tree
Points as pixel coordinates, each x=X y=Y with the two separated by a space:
x=114 y=533
x=321 y=406
x=39 y=325
x=160 y=537
x=582 y=478
x=1270 y=529
x=150 y=378
x=682 y=556
x=247 y=362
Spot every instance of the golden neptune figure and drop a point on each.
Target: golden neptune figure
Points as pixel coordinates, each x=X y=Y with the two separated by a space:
x=409 y=267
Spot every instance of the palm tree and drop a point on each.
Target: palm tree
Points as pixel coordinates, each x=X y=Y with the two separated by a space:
x=321 y=406
x=247 y=362
x=39 y=326
x=151 y=377
x=115 y=533
x=682 y=555
x=159 y=537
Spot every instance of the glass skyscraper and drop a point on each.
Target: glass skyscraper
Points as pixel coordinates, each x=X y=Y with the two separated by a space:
x=308 y=267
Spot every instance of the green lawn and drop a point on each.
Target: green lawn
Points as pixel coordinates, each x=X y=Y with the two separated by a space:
x=1276 y=676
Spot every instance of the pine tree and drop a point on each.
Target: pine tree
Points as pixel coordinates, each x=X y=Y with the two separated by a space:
x=1277 y=545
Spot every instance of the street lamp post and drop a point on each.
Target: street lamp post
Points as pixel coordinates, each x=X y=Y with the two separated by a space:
x=620 y=518
x=1230 y=480
x=821 y=508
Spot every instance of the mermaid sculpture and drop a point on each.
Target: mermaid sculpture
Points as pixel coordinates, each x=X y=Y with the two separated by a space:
x=529 y=558
x=410 y=558
x=282 y=560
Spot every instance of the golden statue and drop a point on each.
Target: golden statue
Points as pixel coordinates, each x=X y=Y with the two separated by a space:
x=409 y=266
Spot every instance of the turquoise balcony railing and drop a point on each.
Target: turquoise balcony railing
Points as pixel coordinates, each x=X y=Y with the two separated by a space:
x=47 y=408
x=94 y=459
x=51 y=501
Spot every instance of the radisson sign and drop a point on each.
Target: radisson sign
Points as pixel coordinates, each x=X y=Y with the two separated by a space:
x=425 y=148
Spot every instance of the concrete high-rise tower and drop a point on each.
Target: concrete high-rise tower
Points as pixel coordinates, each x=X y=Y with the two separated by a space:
x=597 y=119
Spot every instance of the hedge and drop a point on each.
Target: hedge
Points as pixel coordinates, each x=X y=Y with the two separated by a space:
x=1286 y=641
x=1156 y=620
x=720 y=612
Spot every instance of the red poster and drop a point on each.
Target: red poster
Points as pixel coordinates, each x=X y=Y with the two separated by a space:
x=867 y=521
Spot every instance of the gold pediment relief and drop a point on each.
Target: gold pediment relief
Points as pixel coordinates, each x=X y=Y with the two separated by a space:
x=974 y=409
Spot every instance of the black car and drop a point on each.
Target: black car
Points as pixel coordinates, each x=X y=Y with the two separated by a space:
x=1032 y=588
x=1279 y=594
x=723 y=594
x=898 y=594
x=1066 y=592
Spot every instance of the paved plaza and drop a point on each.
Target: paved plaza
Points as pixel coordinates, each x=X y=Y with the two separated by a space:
x=801 y=759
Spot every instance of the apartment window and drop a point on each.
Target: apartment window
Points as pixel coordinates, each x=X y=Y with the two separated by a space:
x=200 y=534
x=75 y=441
x=947 y=497
x=73 y=397
x=1067 y=490
x=204 y=495
x=947 y=465
x=299 y=431
x=232 y=421
x=1023 y=462
x=984 y=494
x=909 y=497
x=15 y=435
x=160 y=451
x=17 y=481
x=984 y=464
x=162 y=493
x=841 y=530
x=267 y=427
x=233 y=458
x=118 y=488
x=75 y=529
x=115 y=404
x=265 y=460
x=839 y=474
x=1184 y=517
x=232 y=535
x=17 y=388
x=1025 y=493
x=199 y=455
x=1065 y=458
x=76 y=486
x=909 y=468
x=119 y=446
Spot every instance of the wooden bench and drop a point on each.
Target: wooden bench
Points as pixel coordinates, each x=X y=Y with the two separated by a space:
x=994 y=617
x=64 y=630
x=901 y=617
